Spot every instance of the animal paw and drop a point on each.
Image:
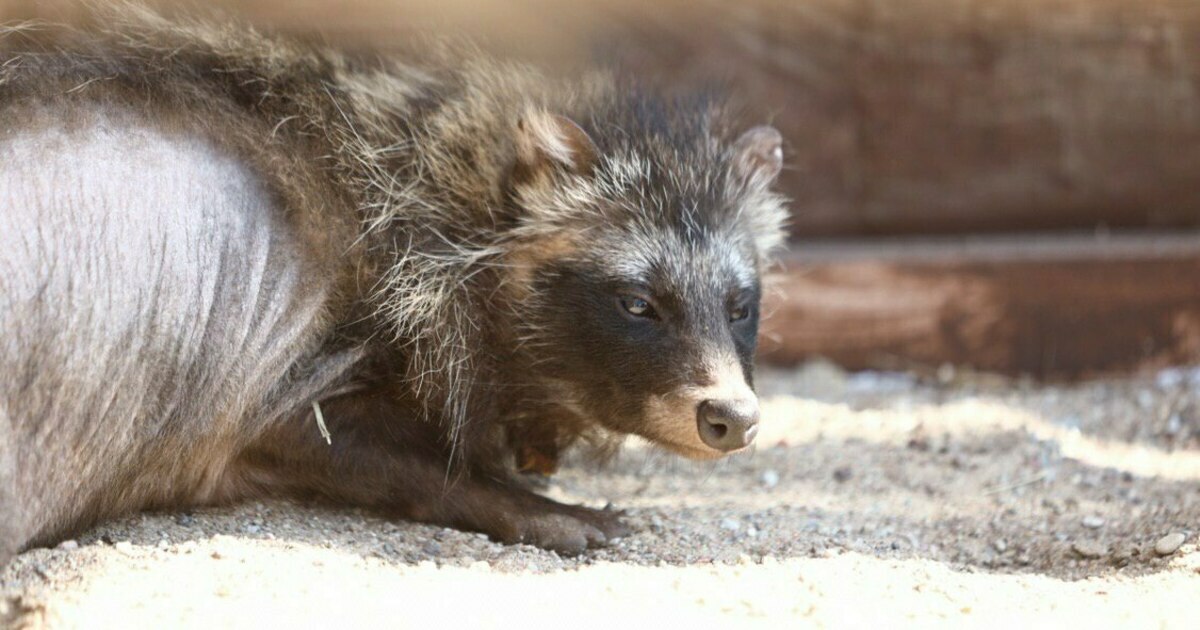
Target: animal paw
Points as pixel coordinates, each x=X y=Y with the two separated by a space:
x=568 y=529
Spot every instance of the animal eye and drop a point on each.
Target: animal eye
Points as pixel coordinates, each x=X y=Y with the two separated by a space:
x=739 y=313
x=637 y=306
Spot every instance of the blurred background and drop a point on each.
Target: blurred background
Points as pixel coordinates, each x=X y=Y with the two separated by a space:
x=1008 y=186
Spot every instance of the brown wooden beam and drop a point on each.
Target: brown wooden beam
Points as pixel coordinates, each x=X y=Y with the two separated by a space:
x=1051 y=307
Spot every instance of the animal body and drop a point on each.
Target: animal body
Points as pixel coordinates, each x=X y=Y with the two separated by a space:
x=218 y=245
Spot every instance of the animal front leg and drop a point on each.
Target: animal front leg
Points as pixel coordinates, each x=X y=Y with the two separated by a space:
x=512 y=515
x=400 y=472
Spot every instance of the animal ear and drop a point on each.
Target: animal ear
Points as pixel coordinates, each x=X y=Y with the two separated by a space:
x=758 y=155
x=545 y=140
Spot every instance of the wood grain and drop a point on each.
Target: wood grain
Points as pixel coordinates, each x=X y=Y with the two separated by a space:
x=1051 y=311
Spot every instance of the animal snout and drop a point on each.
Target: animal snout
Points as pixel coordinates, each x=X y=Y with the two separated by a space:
x=727 y=425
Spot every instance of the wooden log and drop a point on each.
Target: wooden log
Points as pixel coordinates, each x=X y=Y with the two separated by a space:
x=958 y=116
x=1051 y=308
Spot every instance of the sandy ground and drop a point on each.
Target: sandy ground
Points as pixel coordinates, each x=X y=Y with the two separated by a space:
x=872 y=499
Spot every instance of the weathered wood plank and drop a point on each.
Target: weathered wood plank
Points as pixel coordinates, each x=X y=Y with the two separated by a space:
x=1078 y=308
x=959 y=116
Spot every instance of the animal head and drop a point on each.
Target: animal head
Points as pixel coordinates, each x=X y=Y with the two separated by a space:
x=643 y=234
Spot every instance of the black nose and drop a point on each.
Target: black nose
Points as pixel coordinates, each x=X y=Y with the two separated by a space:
x=727 y=425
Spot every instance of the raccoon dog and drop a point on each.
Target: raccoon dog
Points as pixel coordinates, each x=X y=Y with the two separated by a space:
x=238 y=265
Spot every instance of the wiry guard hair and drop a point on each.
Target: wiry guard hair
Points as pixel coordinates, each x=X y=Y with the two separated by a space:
x=460 y=172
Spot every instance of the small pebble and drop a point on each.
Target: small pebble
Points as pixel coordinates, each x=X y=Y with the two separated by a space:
x=1089 y=549
x=1000 y=545
x=842 y=474
x=1093 y=522
x=124 y=547
x=770 y=478
x=1169 y=544
x=730 y=524
x=68 y=545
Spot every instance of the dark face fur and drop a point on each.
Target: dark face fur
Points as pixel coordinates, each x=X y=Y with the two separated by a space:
x=645 y=315
x=649 y=339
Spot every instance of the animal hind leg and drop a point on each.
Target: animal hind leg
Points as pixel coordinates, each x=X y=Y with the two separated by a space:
x=9 y=534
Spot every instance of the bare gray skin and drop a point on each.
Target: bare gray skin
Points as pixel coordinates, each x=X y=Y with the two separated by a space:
x=167 y=359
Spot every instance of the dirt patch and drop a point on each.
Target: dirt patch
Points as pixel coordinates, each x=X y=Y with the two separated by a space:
x=871 y=497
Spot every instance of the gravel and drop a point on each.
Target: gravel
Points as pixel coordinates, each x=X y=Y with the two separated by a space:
x=1003 y=498
x=1169 y=544
x=1089 y=549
